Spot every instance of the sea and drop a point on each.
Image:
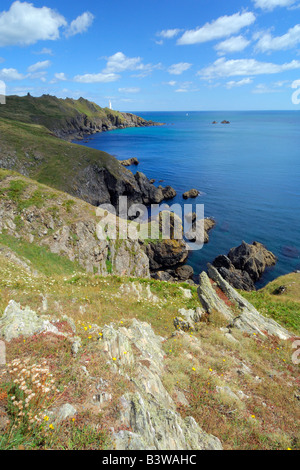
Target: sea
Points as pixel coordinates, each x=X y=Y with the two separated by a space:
x=248 y=173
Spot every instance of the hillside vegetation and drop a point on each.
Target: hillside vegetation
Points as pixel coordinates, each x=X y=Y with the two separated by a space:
x=117 y=343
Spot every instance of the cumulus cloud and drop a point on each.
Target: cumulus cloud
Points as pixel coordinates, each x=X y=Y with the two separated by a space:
x=289 y=40
x=271 y=4
x=60 y=76
x=119 y=63
x=80 y=24
x=233 y=44
x=244 y=81
x=39 y=66
x=178 y=69
x=96 y=78
x=222 y=27
x=10 y=75
x=24 y=24
x=44 y=51
x=230 y=68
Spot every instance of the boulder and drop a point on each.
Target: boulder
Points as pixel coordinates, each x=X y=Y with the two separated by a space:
x=199 y=231
x=168 y=192
x=192 y=193
x=184 y=272
x=130 y=161
x=17 y=321
x=244 y=265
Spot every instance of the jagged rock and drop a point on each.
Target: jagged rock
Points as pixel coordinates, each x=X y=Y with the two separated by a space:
x=17 y=321
x=249 y=319
x=190 y=318
x=244 y=265
x=192 y=193
x=164 y=254
x=191 y=217
x=186 y=293
x=184 y=272
x=168 y=192
x=209 y=299
x=130 y=161
x=151 y=194
x=163 y=276
x=200 y=229
x=149 y=410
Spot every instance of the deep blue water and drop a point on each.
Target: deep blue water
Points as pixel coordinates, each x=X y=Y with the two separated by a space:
x=249 y=172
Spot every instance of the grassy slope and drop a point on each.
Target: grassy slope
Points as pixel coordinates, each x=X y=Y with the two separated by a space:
x=46 y=158
x=284 y=308
x=266 y=420
x=52 y=112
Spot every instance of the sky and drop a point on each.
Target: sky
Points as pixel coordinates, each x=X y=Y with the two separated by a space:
x=158 y=55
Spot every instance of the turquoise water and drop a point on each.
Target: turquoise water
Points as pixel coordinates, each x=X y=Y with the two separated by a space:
x=249 y=172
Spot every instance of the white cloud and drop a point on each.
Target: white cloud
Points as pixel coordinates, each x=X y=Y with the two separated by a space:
x=233 y=44
x=129 y=90
x=119 y=63
x=24 y=24
x=60 y=76
x=39 y=66
x=171 y=83
x=178 y=69
x=271 y=4
x=96 y=78
x=169 y=33
x=230 y=68
x=10 y=75
x=244 y=81
x=222 y=27
x=81 y=24
x=268 y=43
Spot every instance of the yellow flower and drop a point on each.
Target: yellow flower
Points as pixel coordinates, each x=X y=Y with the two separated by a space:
x=46 y=418
x=85 y=328
x=51 y=426
x=193 y=368
x=114 y=359
x=253 y=416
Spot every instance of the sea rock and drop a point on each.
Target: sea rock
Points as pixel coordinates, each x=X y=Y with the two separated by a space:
x=245 y=264
x=184 y=272
x=168 y=192
x=199 y=232
x=165 y=254
x=192 y=193
x=130 y=161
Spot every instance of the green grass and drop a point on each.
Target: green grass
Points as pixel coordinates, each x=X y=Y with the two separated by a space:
x=40 y=257
x=285 y=309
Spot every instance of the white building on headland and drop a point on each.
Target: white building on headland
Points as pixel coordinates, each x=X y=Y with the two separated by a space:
x=110 y=106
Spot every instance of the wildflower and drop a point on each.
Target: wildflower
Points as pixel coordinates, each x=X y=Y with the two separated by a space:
x=114 y=359
x=51 y=426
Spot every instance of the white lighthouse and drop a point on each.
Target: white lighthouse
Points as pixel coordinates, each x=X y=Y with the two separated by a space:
x=110 y=106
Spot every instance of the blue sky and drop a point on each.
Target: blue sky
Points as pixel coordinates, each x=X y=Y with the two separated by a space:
x=155 y=55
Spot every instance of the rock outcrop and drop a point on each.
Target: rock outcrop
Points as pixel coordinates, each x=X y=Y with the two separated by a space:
x=237 y=310
x=200 y=229
x=245 y=264
x=130 y=161
x=192 y=193
x=149 y=410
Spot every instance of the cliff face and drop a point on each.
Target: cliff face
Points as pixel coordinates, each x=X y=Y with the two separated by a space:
x=67 y=227
x=68 y=119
